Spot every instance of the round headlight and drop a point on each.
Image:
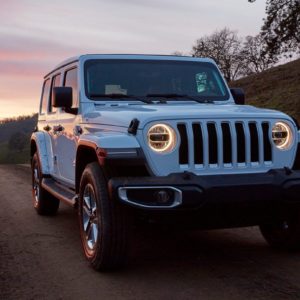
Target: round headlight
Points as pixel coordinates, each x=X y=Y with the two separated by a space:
x=282 y=135
x=161 y=138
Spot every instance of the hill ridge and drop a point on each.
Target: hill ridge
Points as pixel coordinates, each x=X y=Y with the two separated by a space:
x=276 y=88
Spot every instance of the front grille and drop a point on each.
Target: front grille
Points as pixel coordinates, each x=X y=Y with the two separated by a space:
x=210 y=144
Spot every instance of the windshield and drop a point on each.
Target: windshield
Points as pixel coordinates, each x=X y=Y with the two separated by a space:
x=153 y=78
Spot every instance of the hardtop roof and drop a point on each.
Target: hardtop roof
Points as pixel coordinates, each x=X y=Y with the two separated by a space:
x=127 y=56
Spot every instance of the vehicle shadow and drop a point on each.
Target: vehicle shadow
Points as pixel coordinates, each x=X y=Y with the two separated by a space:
x=237 y=260
x=180 y=264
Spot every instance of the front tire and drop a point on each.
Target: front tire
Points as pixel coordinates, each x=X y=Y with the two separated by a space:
x=43 y=202
x=103 y=222
x=284 y=235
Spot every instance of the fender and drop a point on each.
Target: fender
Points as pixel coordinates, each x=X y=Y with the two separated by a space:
x=40 y=139
x=110 y=140
x=105 y=147
x=111 y=146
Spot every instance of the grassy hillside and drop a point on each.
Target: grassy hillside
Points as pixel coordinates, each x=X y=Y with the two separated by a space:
x=8 y=128
x=23 y=124
x=277 y=88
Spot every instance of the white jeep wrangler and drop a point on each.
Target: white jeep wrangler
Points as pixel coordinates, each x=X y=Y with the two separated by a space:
x=162 y=138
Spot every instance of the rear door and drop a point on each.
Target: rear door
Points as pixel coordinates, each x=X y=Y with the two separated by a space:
x=44 y=123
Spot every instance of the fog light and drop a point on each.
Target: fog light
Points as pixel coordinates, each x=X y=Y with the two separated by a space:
x=151 y=196
x=162 y=197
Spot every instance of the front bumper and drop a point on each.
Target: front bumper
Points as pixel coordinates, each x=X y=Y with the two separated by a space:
x=213 y=197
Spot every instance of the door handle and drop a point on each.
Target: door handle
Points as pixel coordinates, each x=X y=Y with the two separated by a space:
x=47 y=128
x=58 y=128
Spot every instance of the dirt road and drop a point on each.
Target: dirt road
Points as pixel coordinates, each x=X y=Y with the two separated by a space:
x=40 y=258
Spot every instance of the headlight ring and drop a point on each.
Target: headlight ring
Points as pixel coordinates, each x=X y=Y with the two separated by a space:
x=282 y=135
x=162 y=138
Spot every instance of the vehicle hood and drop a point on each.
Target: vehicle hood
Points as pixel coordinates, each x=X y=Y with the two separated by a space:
x=121 y=115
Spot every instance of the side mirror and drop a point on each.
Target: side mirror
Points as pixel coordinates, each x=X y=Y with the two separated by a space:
x=238 y=95
x=62 y=97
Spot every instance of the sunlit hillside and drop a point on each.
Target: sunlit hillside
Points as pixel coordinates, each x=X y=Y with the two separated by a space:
x=278 y=88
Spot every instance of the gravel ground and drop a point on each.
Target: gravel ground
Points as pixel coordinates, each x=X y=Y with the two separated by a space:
x=41 y=258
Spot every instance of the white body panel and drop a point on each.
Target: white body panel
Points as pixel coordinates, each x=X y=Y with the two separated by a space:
x=105 y=124
x=122 y=114
x=43 y=142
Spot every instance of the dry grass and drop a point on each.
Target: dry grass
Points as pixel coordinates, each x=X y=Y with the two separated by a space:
x=277 y=88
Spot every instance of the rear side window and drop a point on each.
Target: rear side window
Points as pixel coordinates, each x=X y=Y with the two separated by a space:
x=55 y=83
x=45 y=96
x=71 y=81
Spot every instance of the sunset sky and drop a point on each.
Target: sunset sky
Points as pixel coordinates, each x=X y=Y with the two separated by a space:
x=36 y=35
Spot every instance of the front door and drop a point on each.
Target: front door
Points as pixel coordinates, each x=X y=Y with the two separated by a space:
x=65 y=137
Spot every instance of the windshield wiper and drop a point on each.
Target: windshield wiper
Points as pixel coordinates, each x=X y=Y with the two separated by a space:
x=194 y=98
x=166 y=95
x=120 y=96
x=199 y=100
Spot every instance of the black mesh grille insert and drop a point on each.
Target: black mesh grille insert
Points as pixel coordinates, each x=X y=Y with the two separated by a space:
x=212 y=143
x=240 y=137
x=198 y=144
x=184 y=147
x=227 y=143
x=267 y=144
x=254 y=142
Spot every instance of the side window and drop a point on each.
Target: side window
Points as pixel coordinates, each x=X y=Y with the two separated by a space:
x=71 y=81
x=55 y=83
x=45 y=96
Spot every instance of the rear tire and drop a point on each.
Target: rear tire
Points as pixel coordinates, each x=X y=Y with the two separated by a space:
x=284 y=235
x=43 y=202
x=104 y=223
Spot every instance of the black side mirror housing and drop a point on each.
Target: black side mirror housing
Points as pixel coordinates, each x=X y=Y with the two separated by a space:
x=238 y=95
x=62 y=97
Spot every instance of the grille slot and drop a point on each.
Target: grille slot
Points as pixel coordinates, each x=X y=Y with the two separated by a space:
x=254 y=142
x=212 y=143
x=227 y=143
x=198 y=144
x=267 y=144
x=184 y=147
x=224 y=144
x=241 y=143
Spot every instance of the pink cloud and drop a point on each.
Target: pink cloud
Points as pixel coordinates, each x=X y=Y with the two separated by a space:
x=19 y=47
x=26 y=68
x=28 y=57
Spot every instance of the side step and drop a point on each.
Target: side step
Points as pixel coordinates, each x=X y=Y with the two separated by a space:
x=59 y=191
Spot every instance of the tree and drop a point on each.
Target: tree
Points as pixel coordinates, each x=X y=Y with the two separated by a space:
x=177 y=53
x=281 y=28
x=18 y=141
x=224 y=47
x=255 y=56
